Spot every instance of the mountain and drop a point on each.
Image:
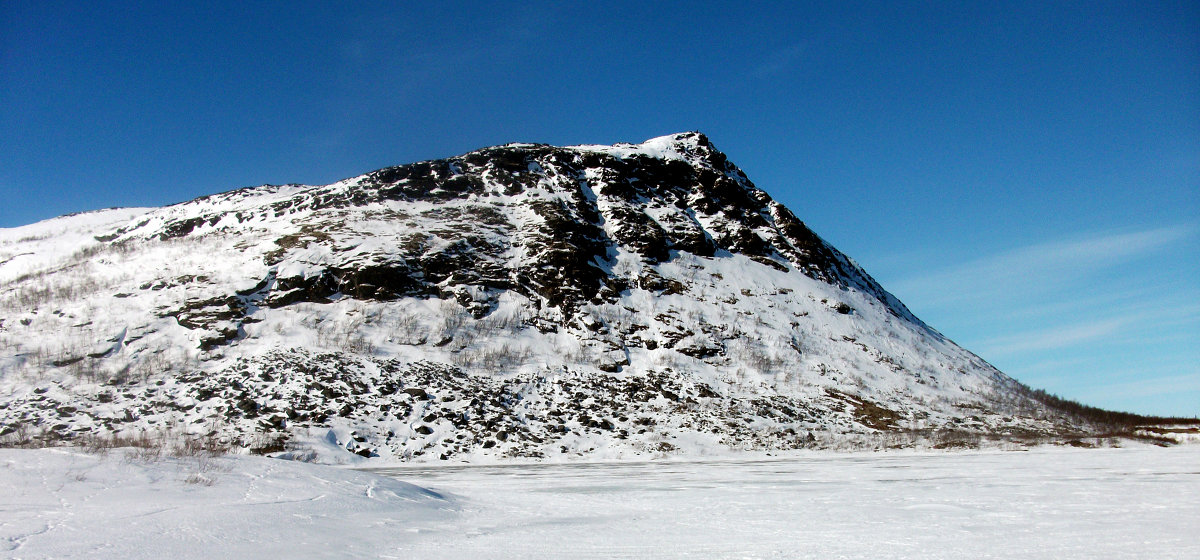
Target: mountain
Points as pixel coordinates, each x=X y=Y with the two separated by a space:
x=522 y=300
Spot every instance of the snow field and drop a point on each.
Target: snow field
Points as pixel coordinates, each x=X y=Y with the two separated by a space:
x=57 y=503
x=1045 y=503
x=1055 y=503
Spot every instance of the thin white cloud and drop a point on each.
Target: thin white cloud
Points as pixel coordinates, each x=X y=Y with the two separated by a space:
x=1037 y=268
x=1048 y=372
x=1147 y=387
x=1070 y=311
x=1139 y=321
x=1050 y=339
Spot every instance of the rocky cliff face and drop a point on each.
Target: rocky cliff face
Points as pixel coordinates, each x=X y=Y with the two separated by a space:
x=521 y=300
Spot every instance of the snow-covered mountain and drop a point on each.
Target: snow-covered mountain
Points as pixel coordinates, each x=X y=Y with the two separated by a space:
x=517 y=301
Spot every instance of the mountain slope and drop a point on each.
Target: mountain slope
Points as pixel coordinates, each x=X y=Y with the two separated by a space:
x=520 y=300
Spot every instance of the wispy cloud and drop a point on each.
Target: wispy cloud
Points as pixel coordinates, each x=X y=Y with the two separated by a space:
x=1139 y=323
x=1040 y=267
x=1147 y=387
x=1053 y=338
x=1110 y=318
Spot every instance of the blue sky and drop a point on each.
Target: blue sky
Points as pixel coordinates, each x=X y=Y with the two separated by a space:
x=1025 y=176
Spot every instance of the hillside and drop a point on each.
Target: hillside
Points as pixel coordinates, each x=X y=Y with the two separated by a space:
x=517 y=301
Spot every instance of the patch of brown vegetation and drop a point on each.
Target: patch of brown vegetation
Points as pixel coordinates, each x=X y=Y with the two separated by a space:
x=869 y=413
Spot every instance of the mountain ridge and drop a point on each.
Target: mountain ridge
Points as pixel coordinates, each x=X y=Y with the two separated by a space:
x=411 y=310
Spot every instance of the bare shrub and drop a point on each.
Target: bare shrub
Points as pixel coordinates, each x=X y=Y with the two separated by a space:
x=147 y=446
x=453 y=318
x=668 y=359
x=39 y=289
x=101 y=444
x=199 y=479
x=504 y=356
x=345 y=336
x=756 y=357
x=503 y=321
x=200 y=446
x=406 y=329
x=269 y=442
x=17 y=434
x=357 y=343
x=955 y=439
x=151 y=364
x=144 y=454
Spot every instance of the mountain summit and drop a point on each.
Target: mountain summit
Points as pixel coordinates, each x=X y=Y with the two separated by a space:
x=522 y=300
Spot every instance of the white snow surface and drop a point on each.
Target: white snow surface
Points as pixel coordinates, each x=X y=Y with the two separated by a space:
x=1052 y=503
x=671 y=146
x=43 y=244
x=59 y=503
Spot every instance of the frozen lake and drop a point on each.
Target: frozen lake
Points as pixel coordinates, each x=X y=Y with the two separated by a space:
x=1045 y=503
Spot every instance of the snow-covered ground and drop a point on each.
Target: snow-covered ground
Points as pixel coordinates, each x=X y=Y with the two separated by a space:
x=1045 y=503
x=56 y=503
